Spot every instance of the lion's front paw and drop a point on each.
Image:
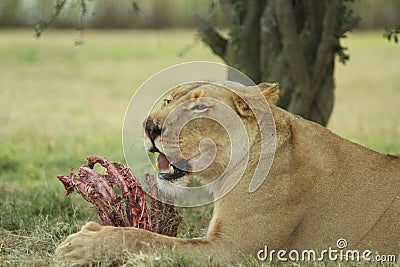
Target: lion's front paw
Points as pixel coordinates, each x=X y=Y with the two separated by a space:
x=94 y=243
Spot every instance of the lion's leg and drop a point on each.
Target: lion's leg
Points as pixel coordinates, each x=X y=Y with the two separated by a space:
x=107 y=244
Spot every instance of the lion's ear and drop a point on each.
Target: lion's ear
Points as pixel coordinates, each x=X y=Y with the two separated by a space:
x=241 y=106
x=270 y=92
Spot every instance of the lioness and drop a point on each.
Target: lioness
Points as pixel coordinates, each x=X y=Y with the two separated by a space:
x=320 y=188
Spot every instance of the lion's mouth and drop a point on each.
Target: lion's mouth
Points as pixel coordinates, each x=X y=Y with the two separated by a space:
x=166 y=169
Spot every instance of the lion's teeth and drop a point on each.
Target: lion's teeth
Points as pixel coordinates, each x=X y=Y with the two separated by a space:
x=171 y=169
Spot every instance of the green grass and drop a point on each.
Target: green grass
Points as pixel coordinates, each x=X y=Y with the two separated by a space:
x=60 y=103
x=368 y=93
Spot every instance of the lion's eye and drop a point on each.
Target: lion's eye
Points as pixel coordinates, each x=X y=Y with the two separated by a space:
x=167 y=101
x=199 y=107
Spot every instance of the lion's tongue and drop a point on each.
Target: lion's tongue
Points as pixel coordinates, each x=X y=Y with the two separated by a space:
x=162 y=163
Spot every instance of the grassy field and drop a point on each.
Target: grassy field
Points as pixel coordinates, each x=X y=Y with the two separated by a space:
x=60 y=103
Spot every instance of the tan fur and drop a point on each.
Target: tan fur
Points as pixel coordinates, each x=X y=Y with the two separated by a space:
x=320 y=188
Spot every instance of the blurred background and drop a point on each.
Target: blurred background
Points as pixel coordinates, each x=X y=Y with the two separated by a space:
x=164 y=14
x=61 y=102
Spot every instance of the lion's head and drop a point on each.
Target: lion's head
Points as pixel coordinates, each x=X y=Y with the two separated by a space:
x=193 y=129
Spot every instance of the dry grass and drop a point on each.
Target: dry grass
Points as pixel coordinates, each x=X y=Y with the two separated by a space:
x=60 y=103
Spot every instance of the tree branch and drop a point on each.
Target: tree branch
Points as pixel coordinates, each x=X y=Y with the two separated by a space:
x=327 y=45
x=244 y=46
x=252 y=19
x=212 y=38
x=272 y=61
x=226 y=8
x=43 y=24
x=290 y=41
x=310 y=35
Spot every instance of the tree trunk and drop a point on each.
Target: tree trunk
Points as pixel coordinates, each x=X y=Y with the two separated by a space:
x=287 y=41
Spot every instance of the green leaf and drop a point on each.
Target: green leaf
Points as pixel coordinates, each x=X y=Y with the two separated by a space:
x=135 y=6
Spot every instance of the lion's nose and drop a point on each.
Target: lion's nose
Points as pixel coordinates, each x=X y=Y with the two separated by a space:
x=151 y=129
